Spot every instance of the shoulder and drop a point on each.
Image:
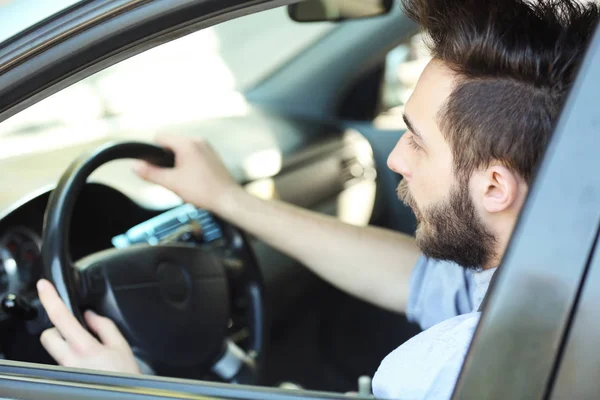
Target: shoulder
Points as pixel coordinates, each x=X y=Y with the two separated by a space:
x=428 y=364
x=439 y=290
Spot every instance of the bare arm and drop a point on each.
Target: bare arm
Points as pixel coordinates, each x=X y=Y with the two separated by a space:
x=371 y=263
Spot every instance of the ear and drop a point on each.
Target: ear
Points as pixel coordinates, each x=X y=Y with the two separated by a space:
x=500 y=188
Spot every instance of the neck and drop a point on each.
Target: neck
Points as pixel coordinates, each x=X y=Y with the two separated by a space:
x=503 y=234
x=491 y=265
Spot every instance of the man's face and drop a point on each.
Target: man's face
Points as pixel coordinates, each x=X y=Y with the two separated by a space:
x=449 y=225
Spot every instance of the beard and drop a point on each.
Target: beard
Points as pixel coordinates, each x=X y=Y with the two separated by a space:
x=451 y=229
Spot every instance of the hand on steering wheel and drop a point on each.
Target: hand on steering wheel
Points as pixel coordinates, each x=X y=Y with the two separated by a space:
x=71 y=345
x=199 y=176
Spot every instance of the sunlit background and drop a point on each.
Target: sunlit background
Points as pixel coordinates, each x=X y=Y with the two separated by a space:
x=168 y=89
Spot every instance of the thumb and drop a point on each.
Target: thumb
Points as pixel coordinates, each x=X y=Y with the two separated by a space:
x=152 y=173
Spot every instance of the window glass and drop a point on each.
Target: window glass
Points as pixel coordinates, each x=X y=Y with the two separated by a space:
x=199 y=76
x=170 y=88
x=404 y=65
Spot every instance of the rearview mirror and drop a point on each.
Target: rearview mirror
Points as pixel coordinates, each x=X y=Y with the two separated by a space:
x=337 y=10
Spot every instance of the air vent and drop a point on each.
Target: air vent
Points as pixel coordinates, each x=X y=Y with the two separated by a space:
x=357 y=163
x=352 y=170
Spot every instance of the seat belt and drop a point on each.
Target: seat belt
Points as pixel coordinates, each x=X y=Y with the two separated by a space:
x=485 y=297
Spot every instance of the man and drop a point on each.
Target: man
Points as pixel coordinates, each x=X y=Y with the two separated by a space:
x=478 y=122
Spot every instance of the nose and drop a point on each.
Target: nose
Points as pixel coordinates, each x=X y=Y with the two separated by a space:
x=397 y=161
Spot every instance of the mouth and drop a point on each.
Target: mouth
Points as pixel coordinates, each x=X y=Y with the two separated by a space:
x=405 y=197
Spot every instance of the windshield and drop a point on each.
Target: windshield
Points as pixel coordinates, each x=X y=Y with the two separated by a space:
x=202 y=75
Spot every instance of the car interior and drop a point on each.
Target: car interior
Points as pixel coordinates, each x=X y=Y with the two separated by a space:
x=300 y=111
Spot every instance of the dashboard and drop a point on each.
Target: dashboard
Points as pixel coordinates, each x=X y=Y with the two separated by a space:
x=172 y=226
x=20 y=264
x=94 y=224
x=20 y=246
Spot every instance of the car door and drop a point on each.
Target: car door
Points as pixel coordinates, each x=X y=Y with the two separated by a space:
x=32 y=382
x=577 y=369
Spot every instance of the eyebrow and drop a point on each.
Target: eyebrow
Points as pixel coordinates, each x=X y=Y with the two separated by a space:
x=411 y=128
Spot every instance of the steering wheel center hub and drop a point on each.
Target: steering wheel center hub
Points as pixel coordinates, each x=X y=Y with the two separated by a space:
x=174 y=283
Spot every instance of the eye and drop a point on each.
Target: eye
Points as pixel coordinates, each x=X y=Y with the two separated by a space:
x=412 y=142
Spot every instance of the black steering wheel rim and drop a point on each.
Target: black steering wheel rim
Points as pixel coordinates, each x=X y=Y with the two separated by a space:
x=58 y=266
x=60 y=269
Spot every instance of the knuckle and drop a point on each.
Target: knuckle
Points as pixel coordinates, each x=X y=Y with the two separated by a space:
x=142 y=169
x=200 y=144
x=107 y=323
x=69 y=362
x=146 y=172
x=46 y=336
x=83 y=349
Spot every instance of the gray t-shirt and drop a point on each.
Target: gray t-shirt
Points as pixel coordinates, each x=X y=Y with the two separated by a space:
x=444 y=300
x=440 y=290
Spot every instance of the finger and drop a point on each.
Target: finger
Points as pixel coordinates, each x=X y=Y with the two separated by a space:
x=55 y=345
x=152 y=173
x=62 y=318
x=106 y=330
x=177 y=143
x=184 y=146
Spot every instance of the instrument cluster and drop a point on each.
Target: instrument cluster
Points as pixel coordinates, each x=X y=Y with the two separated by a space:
x=20 y=260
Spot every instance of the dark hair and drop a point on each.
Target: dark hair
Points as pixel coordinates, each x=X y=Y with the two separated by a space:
x=516 y=61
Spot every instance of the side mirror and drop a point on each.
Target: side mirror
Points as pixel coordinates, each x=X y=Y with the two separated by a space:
x=338 y=10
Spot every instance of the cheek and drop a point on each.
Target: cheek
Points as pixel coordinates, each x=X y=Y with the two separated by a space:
x=430 y=184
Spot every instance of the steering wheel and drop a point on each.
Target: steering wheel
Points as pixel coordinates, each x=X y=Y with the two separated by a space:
x=172 y=302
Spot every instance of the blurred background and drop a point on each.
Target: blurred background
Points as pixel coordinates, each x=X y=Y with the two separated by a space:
x=167 y=89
